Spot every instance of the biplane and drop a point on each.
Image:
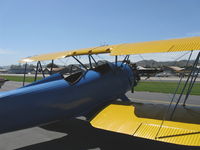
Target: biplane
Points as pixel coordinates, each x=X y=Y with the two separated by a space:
x=56 y=97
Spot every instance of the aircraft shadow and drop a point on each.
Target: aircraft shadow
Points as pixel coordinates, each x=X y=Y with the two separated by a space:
x=82 y=136
x=188 y=114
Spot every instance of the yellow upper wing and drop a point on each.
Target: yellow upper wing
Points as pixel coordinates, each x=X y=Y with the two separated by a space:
x=172 y=45
x=59 y=55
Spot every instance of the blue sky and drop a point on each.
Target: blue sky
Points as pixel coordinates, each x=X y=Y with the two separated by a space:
x=30 y=27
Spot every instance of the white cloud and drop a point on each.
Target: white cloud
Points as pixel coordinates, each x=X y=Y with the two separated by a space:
x=193 y=34
x=6 y=52
x=185 y=35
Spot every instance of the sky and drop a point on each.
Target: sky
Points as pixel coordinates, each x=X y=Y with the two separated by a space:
x=31 y=27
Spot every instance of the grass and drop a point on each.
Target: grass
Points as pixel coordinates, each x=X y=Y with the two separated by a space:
x=19 y=78
x=164 y=87
x=148 y=86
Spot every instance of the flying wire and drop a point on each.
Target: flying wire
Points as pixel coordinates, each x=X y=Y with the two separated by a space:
x=166 y=112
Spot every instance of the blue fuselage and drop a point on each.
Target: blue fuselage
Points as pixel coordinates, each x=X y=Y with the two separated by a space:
x=55 y=97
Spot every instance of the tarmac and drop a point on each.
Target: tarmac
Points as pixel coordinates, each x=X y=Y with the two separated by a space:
x=78 y=134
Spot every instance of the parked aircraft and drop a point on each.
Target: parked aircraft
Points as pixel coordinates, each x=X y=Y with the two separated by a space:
x=57 y=97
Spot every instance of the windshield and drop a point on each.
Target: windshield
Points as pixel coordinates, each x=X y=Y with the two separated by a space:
x=102 y=67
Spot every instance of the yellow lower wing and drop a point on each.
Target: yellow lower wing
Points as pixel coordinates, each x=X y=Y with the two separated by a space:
x=122 y=119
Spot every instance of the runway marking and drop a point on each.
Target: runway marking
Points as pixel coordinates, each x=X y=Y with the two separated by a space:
x=161 y=101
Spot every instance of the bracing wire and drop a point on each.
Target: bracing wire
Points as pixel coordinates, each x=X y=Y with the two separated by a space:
x=166 y=112
x=65 y=63
x=182 y=56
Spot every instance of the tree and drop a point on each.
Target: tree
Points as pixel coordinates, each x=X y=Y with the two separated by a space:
x=52 y=65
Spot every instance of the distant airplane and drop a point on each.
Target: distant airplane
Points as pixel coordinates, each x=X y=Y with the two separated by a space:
x=57 y=97
x=148 y=72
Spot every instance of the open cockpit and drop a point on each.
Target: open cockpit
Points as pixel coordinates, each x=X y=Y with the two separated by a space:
x=101 y=67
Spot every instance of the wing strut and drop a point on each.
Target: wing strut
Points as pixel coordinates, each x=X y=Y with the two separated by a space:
x=192 y=79
x=90 y=62
x=79 y=62
x=93 y=60
x=182 y=91
x=51 y=70
x=24 y=74
x=39 y=69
